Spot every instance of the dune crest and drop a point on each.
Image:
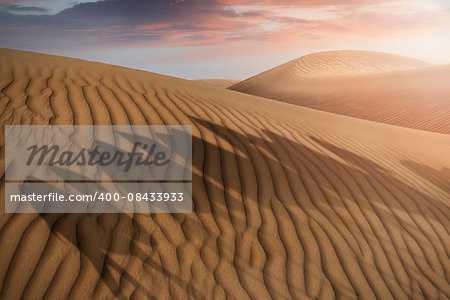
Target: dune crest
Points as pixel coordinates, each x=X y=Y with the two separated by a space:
x=373 y=86
x=289 y=202
x=223 y=83
x=350 y=62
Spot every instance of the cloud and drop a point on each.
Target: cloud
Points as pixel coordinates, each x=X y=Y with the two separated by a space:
x=13 y=1
x=14 y=8
x=176 y=23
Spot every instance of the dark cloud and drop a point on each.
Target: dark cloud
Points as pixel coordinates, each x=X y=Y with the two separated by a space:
x=139 y=12
x=134 y=23
x=14 y=8
x=106 y=22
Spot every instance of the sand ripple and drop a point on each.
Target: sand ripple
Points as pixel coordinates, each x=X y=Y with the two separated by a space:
x=289 y=202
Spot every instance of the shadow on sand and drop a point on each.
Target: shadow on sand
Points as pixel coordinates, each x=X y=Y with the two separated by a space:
x=224 y=180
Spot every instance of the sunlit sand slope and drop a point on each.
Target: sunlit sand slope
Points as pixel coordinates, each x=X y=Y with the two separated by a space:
x=375 y=86
x=289 y=202
x=346 y=62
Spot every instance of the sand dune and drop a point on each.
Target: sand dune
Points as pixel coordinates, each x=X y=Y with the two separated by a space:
x=223 y=83
x=289 y=202
x=344 y=62
x=374 y=86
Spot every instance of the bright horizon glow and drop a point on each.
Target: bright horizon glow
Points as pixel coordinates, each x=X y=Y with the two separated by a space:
x=232 y=39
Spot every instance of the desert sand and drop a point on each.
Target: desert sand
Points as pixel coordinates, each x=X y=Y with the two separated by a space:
x=368 y=85
x=223 y=83
x=289 y=202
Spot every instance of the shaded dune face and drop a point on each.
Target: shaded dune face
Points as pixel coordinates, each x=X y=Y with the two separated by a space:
x=288 y=202
x=373 y=86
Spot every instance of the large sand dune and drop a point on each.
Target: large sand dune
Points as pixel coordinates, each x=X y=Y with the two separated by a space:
x=369 y=85
x=289 y=202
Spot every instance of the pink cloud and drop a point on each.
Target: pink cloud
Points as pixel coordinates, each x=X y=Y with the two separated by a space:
x=192 y=23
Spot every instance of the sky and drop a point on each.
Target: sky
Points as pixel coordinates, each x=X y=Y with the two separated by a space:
x=232 y=39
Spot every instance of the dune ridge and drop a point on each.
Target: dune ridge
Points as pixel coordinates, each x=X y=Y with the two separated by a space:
x=349 y=62
x=368 y=85
x=289 y=202
x=223 y=83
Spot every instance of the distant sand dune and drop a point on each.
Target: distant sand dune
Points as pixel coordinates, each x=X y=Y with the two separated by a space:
x=368 y=85
x=289 y=202
x=349 y=62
